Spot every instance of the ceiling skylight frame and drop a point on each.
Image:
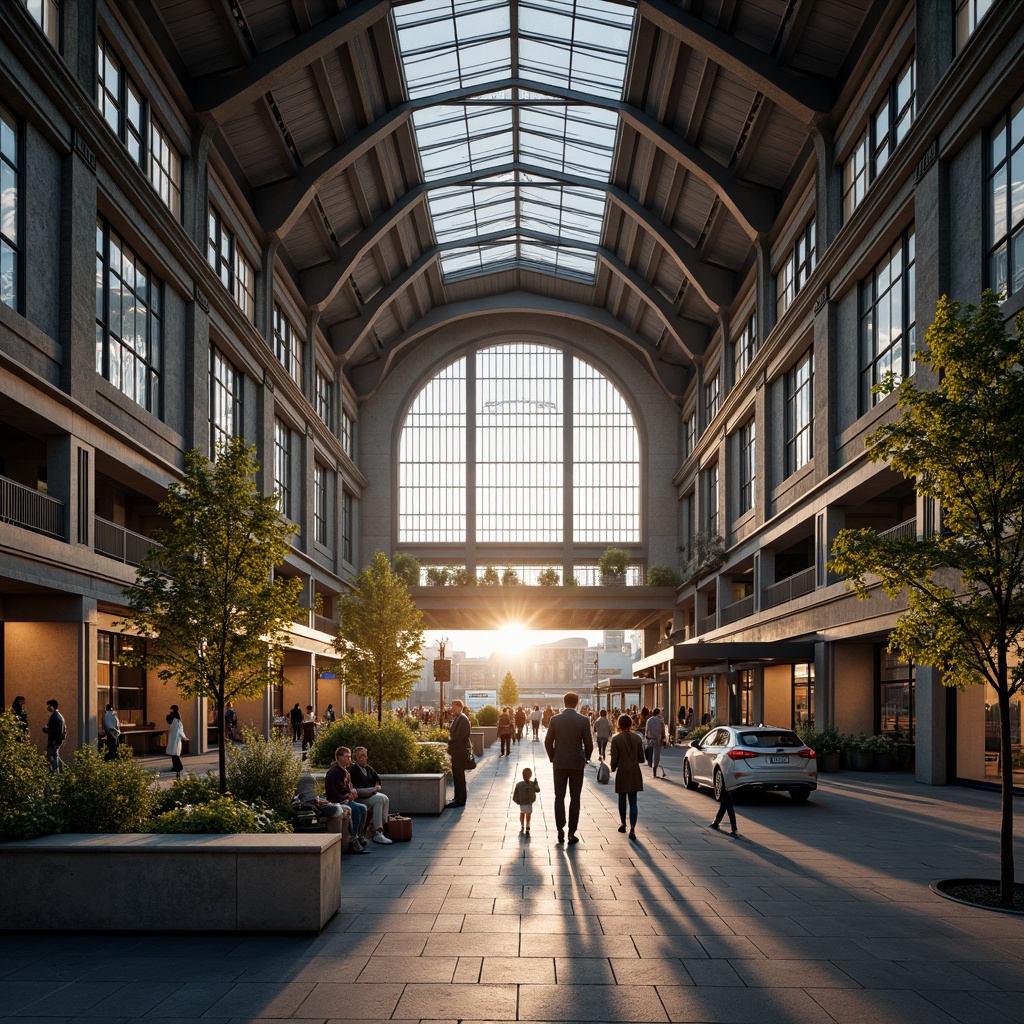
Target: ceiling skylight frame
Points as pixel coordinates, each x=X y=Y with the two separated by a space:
x=581 y=45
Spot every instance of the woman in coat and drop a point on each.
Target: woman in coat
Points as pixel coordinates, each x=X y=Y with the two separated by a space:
x=505 y=731
x=627 y=755
x=175 y=734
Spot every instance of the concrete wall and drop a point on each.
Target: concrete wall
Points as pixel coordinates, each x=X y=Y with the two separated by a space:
x=778 y=695
x=854 y=688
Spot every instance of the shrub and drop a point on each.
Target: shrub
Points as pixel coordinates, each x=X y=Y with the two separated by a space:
x=29 y=806
x=490 y=577
x=699 y=732
x=407 y=566
x=432 y=757
x=263 y=771
x=391 y=746
x=510 y=578
x=488 y=715
x=105 y=796
x=438 y=576
x=549 y=577
x=435 y=734
x=219 y=815
x=462 y=577
x=613 y=563
x=189 y=789
x=661 y=576
x=882 y=744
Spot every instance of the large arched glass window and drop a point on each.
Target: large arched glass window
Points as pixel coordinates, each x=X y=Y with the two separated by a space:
x=520 y=444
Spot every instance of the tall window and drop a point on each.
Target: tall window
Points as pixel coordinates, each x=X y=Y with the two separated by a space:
x=893 y=117
x=347 y=525
x=1006 y=201
x=968 y=14
x=797 y=269
x=46 y=14
x=128 y=320
x=744 y=347
x=348 y=429
x=529 y=487
x=220 y=252
x=803 y=696
x=689 y=518
x=887 y=324
x=287 y=345
x=120 y=101
x=324 y=398
x=118 y=684
x=165 y=168
x=225 y=399
x=712 y=395
x=690 y=434
x=897 y=680
x=10 y=218
x=321 y=479
x=245 y=286
x=800 y=413
x=745 y=687
x=283 y=468
x=748 y=465
x=711 y=499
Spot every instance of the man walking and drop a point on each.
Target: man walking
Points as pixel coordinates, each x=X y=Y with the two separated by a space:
x=112 y=731
x=56 y=732
x=458 y=748
x=569 y=744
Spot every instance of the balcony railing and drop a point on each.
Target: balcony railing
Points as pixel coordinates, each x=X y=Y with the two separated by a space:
x=325 y=624
x=125 y=545
x=708 y=623
x=791 y=587
x=738 y=610
x=26 y=507
x=905 y=531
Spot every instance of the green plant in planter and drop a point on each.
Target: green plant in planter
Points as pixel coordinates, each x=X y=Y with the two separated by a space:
x=432 y=757
x=698 y=733
x=829 y=741
x=462 y=577
x=510 y=578
x=438 y=576
x=391 y=745
x=612 y=565
x=263 y=771
x=105 y=796
x=661 y=576
x=882 y=744
x=549 y=577
x=490 y=577
x=407 y=566
x=488 y=715
x=29 y=798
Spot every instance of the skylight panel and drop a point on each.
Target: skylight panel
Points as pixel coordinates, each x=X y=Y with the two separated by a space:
x=581 y=45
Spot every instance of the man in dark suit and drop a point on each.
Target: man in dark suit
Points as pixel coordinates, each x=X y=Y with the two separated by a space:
x=458 y=747
x=569 y=744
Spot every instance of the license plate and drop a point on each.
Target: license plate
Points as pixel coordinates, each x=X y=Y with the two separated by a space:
x=778 y=760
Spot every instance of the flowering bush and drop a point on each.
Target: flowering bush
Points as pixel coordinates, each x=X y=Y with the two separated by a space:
x=222 y=814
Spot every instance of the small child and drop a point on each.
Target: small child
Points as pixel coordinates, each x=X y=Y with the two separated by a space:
x=524 y=794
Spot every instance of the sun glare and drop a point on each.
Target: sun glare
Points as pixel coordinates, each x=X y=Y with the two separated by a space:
x=514 y=635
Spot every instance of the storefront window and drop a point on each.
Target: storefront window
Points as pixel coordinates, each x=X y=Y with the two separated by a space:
x=708 y=708
x=118 y=684
x=745 y=684
x=896 y=697
x=803 y=696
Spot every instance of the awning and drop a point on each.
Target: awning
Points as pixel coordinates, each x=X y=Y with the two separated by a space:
x=721 y=657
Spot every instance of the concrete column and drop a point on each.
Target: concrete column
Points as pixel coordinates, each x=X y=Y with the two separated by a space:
x=930 y=747
x=88 y=701
x=762 y=480
x=196 y=347
x=77 y=317
x=765 y=288
x=933 y=45
x=931 y=246
x=764 y=574
x=304 y=491
x=824 y=685
x=826 y=386
x=196 y=186
x=827 y=525
x=71 y=478
x=79 y=41
x=265 y=436
x=828 y=195
x=265 y=293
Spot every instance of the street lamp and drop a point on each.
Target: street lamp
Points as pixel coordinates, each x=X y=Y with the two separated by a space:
x=442 y=674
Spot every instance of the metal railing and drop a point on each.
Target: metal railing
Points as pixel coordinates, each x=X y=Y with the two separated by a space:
x=708 y=623
x=738 y=610
x=325 y=624
x=905 y=531
x=26 y=507
x=125 y=545
x=791 y=587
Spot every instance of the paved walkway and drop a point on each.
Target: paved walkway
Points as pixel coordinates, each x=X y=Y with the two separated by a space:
x=819 y=912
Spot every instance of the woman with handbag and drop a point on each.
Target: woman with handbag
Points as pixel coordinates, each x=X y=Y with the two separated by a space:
x=627 y=754
x=175 y=736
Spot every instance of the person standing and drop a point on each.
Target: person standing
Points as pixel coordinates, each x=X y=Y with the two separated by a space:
x=308 y=730
x=329 y=715
x=295 y=717
x=458 y=749
x=520 y=723
x=56 y=732
x=20 y=713
x=535 y=717
x=626 y=758
x=231 y=723
x=656 y=739
x=112 y=731
x=175 y=737
x=602 y=732
x=505 y=731
x=569 y=744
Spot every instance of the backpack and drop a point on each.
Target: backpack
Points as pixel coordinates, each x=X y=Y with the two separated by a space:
x=517 y=794
x=603 y=775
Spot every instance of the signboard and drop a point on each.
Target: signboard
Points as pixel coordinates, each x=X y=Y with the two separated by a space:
x=476 y=699
x=442 y=670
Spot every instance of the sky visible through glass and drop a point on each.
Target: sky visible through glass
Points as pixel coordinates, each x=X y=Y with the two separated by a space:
x=513 y=162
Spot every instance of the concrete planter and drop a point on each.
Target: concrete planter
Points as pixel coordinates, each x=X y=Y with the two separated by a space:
x=828 y=762
x=490 y=733
x=416 y=794
x=476 y=737
x=187 y=883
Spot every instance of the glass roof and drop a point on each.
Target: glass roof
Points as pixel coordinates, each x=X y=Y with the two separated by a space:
x=513 y=164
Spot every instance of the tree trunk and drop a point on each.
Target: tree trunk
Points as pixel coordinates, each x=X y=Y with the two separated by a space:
x=222 y=758
x=380 y=697
x=1006 y=879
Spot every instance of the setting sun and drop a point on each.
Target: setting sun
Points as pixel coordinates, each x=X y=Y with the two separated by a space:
x=514 y=635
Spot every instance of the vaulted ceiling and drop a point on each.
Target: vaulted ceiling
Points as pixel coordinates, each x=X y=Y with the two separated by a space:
x=637 y=207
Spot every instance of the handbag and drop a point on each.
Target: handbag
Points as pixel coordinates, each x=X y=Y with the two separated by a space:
x=641 y=753
x=470 y=759
x=398 y=828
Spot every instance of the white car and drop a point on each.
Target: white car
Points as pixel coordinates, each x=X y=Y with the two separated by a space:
x=751 y=757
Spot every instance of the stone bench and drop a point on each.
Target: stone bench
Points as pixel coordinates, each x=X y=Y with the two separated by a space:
x=188 y=883
x=414 y=793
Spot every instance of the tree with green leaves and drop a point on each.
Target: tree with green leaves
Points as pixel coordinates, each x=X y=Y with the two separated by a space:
x=208 y=599
x=960 y=442
x=380 y=637
x=508 y=692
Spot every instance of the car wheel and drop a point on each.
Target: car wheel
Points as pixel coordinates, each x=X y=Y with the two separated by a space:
x=719 y=783
x=800 y=796
x=688 y=776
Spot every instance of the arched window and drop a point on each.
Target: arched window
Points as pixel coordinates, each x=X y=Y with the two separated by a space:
x=519 y=444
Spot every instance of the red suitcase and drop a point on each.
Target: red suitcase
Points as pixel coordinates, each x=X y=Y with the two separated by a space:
x=398 y=829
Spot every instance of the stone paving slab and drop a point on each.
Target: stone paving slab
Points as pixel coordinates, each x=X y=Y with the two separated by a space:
x=818 y=913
